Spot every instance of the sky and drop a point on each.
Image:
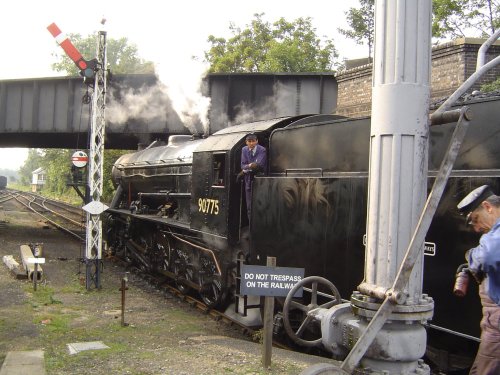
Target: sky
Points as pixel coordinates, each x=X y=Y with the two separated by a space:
x=166 y=32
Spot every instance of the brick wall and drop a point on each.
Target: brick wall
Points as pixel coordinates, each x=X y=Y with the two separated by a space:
x=452 y=63
x=355 y=92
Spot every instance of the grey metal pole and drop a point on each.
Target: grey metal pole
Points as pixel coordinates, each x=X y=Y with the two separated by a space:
x=399 y=137
x=397 y=188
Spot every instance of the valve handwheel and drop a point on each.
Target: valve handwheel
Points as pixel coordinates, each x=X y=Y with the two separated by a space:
x=291 y=304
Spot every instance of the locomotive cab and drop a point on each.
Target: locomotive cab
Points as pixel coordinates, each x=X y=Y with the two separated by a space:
x=210 y=199
x=217 y=201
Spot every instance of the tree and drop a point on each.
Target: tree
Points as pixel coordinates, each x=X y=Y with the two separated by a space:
x=57 y=166
x=33 y=161
x=264 y=47
x=460 y=18
x=122 y=57
x=56 y=163
x=451 y=18
x=110 y=156
x=362 y=24
x=492 y=86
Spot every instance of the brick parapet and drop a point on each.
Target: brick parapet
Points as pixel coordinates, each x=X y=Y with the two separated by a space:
x=452 y=63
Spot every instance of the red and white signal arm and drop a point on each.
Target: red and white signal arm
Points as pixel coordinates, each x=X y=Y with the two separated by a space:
x=79 y=159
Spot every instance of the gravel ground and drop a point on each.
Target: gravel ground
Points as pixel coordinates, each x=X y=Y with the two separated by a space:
x=164 y=335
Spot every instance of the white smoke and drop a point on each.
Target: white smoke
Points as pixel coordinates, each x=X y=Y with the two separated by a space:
x=268 y=108
x=174 y=102
x=185 y=92
x=146 y=103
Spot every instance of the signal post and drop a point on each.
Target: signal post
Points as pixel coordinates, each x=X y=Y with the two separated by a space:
x=94 y=73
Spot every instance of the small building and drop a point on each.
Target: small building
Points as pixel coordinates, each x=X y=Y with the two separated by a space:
x=38 y=179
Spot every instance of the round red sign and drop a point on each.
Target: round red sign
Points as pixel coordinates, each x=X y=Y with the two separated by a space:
x=79 y=159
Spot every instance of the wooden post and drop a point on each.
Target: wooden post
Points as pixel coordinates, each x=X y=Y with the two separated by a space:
x=35 y=276
x=123 y=289
x=37 y=251
x=267 y=346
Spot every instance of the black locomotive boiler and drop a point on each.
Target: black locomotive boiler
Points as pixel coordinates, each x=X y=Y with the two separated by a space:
x=180 y=211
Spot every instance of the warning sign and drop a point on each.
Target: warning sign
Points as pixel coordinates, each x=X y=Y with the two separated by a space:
x=269 y=281
x=79 y=159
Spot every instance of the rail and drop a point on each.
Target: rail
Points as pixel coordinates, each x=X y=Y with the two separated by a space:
x=456 y=333
x=29 y=201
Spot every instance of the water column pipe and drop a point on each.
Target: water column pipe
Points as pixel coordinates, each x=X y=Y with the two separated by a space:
x=398 y=142
x=397 y=190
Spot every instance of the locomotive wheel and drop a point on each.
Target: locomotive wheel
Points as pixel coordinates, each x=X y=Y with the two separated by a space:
x=164 y=253
x=211 y=294
x=290 y=305
x=183 y=273
x=210 y=283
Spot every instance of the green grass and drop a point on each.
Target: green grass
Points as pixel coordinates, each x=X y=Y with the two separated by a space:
x=74 y=287
x=159 y=341
x=57 y=358
x=43 y=296
x=54 y=323
x=18 y=186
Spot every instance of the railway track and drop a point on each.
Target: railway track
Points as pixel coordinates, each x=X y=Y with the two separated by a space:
x=69 y=220
x=6 y=195
x=63 y=216
x=156 y=283
x=165 y=286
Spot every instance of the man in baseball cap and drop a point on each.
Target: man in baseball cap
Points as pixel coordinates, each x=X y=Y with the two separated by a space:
x=482 y=210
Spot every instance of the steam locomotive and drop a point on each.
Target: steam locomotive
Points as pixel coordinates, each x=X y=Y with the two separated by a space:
x=180 y=211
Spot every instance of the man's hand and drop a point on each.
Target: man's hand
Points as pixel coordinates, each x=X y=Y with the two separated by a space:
x=239 y=176
x=253 y=165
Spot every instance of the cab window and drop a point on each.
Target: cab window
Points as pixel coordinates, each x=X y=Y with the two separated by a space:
x=218 y=168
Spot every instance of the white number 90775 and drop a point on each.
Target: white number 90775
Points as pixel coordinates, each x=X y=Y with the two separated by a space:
x=208 y=206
